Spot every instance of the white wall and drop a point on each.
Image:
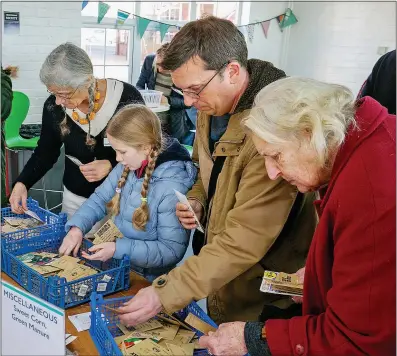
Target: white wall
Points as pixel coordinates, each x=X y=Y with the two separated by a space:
x=338 y=41
x=271 y=48
x=44 y=25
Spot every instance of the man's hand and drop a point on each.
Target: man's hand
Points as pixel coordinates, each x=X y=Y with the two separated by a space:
x=96 y=170
x=186 y=217
x=145 y=305
x=228 y=340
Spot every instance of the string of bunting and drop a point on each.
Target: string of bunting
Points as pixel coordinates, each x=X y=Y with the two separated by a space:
x=284 y=20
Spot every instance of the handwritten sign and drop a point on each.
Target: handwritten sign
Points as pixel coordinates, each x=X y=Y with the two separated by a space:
x=33 y=326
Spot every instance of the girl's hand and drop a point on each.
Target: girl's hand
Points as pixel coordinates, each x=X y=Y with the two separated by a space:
x=71 y=242
x=102 y=252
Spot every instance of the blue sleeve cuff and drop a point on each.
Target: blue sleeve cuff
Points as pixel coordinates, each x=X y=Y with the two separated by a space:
x=122 y=247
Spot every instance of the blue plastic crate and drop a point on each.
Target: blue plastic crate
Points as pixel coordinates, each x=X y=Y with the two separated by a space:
x=104 y=323
x=57 y=290
x=54 y=223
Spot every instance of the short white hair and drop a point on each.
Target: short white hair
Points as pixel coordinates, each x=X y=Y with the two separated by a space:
x=292 y=107
x=67 y=66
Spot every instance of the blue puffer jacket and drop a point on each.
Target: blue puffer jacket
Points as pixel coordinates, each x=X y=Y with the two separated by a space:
x=158 y=249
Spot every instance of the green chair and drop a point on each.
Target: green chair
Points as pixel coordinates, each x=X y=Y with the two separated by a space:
x=14 y=141
x=189 y=148
x=19 y=111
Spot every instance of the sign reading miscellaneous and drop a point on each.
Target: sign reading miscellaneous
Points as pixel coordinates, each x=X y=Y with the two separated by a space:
x=33 y=321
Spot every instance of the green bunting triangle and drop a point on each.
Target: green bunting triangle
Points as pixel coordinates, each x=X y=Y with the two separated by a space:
x=289 y=19
x=102 y=10
x=163 y=30
x=142 y=25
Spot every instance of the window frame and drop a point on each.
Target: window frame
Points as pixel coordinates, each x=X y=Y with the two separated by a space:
x=134 y=67
x=108 y=24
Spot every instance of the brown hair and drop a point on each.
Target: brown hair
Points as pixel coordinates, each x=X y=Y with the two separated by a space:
x=162 y=49
x=216 y=41
x=136 y=126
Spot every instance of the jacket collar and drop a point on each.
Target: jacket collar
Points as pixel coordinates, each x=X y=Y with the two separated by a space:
x=261 y=73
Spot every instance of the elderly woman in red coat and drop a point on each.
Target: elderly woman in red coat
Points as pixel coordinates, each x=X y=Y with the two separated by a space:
x=316 y=137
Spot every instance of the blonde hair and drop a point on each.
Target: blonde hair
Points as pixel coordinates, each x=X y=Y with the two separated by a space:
x=289 y=108
x=136 y=126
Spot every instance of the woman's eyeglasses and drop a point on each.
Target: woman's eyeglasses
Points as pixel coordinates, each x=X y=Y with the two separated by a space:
x=65 y=97
x=196 y=96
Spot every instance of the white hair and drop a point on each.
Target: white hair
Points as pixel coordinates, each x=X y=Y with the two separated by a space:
x=293 y=107
x=68 y=66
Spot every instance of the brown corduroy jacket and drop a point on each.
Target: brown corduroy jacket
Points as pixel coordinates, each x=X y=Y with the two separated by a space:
x=253 y=223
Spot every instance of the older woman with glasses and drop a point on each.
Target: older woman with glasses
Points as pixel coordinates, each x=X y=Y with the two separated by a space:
x=75 y=115
x=316 y=137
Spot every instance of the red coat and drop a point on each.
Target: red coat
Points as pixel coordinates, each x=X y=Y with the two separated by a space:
x=349 y=303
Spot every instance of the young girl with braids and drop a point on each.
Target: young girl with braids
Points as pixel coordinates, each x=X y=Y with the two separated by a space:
x=75 y=115
x=139 y=195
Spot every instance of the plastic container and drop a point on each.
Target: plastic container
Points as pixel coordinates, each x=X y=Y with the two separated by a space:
x=56 y=290
x=152 y=98
x=54 y=223
x=104 y=323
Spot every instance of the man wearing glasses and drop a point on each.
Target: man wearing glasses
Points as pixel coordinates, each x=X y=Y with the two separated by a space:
x=251 y=222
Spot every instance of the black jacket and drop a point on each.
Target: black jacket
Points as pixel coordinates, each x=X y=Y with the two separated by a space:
x=178 y=123
x=381 y=84
x=48 y=148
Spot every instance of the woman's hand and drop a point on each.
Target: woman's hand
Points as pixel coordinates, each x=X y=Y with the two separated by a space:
x=102 y=252
x=96 y=170
x=301 y=277
x=71 y=242
x=164 y=100
x=227 y=340
x=18 y=198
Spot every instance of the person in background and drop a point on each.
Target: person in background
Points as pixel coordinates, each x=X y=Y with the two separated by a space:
x=6 y=104
x=180 y=117
x=75 y=115
x=381 y=84
x=140 y=196
x=317 y=137
x=252 y=222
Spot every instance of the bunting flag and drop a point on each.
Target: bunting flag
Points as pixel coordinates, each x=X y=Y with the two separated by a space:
x=122 y=16
x=84 y=4
x=163 y=30
x=243 y=31
x=289 y=19
x=265 y=27
x=250 y=31
x=142 y=25
x=103 y=8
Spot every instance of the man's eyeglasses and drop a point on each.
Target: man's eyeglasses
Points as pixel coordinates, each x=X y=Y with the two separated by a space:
x=195 y=95
x=65 y=97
